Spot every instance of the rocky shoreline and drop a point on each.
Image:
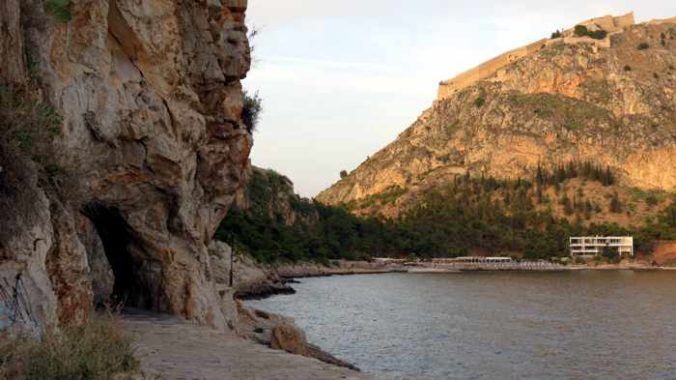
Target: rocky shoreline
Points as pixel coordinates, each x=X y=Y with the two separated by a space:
x=266 y=281
x=254 y=281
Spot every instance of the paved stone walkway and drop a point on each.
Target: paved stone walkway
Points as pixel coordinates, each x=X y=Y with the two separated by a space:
x=174 y=350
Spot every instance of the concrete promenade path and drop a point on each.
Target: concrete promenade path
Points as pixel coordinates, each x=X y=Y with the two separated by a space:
x=174 y=349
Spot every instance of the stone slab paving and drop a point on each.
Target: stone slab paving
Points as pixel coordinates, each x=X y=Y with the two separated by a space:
x=174 y=349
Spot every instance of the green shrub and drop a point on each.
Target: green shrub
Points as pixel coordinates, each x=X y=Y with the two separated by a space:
x=627 y=68
x=94 y=351
x=253 y=105
x=59 y=9
x=643 y=46
x=615 y=204
x=598 y=35
x=479 y=101
x=556 y=34
x=582 y=31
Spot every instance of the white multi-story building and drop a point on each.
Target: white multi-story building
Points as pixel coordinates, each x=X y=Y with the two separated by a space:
x=594 y=245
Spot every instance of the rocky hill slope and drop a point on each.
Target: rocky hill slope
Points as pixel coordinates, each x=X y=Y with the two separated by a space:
x=122 y=147
x=608 y=100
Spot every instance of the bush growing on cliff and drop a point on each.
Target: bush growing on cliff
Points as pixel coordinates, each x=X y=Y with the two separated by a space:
x=27 y=123
x=96 y=350
x=479 y=101
x=253 y=105
x=582 y=31
x=615 y=204
x=60 y=9
x=643 y=46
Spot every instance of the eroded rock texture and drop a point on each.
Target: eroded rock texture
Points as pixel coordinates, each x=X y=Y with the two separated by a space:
x=152 y=143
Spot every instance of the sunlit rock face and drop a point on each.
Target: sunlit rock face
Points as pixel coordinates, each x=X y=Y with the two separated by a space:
x=610 y=103
x=153 y=144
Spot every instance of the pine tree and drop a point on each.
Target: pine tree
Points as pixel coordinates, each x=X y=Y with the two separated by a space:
x=615 y=204
x=567 y=206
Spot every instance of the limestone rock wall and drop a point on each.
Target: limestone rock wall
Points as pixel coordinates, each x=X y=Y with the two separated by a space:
x=152 y=143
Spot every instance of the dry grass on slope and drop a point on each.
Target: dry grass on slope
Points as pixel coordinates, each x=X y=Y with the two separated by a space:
x=94 y=351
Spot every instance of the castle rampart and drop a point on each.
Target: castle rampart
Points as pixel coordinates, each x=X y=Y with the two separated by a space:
x=489 y=68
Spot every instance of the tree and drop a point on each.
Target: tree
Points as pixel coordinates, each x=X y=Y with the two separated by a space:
x=567 y=205
x=479 y=101
x=581 y=30
x=615 y=204
x=610 y=254
x=343 y=174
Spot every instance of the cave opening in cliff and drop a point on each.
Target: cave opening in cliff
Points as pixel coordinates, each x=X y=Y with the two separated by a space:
x=132 y=286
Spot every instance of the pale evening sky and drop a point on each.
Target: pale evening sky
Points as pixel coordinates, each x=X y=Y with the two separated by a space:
x=341 y=79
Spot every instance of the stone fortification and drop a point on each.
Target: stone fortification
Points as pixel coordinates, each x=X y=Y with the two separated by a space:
x=487 y=69
x=611 y=23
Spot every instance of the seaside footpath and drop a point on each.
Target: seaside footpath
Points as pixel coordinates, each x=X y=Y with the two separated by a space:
x=173 y=349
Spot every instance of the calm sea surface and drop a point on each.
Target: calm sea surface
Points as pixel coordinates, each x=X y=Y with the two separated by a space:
x=570 y=325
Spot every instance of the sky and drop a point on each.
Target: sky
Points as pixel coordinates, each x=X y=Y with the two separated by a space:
x=340 y=79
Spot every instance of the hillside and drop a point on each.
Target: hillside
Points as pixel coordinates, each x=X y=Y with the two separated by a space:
x=602 y=95
x=273 y=223
x=467 y=215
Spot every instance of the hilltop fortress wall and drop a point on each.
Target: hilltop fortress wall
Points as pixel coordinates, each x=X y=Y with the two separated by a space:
x=486 y=69
x=489 y=68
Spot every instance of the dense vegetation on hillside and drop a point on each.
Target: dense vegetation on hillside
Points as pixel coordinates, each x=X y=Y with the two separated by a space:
x=492 y=216
x=280 y=225
x=468 y=215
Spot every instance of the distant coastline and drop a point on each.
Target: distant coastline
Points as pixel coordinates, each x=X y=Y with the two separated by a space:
x=284 y=275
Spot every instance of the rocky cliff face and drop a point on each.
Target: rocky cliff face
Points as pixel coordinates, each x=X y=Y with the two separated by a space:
x=270 y=194
x=150 y=144
x=564 y=102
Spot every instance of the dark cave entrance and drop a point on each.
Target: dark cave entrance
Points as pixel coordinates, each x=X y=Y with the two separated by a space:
x=136 y=279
